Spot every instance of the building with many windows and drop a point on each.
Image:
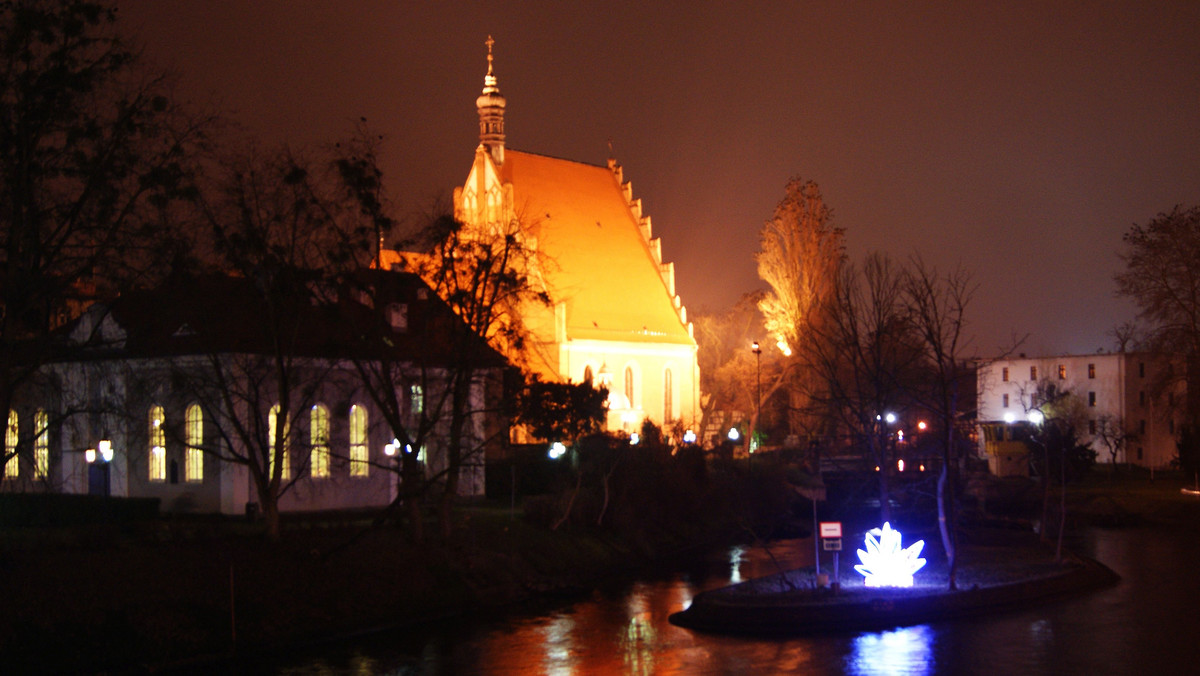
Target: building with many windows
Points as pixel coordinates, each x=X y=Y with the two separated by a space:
x=1127 y=406
x=164 y=393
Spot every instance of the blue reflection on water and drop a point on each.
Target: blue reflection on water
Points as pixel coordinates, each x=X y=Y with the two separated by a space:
x=908 y=650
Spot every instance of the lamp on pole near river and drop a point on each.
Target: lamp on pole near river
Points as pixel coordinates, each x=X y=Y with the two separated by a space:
x=757 y=350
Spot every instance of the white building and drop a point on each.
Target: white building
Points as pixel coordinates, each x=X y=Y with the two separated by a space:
x=1123 y=401
x=163 y=394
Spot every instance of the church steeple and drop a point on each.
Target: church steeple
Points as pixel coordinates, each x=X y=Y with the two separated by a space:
x=490 y=105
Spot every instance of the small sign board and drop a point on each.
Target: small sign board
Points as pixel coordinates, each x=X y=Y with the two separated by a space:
x=832 y=544
x=831 y=529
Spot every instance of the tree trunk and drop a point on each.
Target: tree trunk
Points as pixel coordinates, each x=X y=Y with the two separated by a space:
x=570 y=503
x=411 y=490
x=270 y=512
x=885 y=507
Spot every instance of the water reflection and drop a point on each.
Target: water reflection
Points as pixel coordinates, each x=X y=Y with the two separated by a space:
x=556 y=640
x=908 y=650
x=624 y=629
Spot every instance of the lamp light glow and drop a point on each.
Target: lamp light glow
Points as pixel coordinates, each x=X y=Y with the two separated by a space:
x=106 y=450
x=634 y=438
x=733 y=434
x=90 y=455
x=557 y=450
x=689 y=437
x=1036 y=417
x=885 y=563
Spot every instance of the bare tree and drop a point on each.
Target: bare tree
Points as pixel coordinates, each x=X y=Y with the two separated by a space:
x=937 y=306
x=727 y=364
x=863 y=358
x=1111 y=432
x=93 y=154
x=489 y=277
x=287 y=225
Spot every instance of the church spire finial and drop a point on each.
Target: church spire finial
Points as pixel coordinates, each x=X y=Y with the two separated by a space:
x=490 y=105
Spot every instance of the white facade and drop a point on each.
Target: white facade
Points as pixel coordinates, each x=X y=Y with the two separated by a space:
x=1121 y=393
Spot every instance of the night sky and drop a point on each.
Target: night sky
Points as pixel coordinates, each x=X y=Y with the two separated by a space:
x=1017 y=139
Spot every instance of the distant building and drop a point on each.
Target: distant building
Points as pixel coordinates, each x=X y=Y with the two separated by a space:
x=1127 y=401
x=152 y=391
x=615 y=318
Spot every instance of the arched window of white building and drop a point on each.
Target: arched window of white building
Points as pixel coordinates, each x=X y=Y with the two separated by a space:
x=318 y=431
x=41 y=444
x=157 y=450
x=11 y=438
x=193 y=461
x=358 y=441
x=587 y=375
x=272 y=429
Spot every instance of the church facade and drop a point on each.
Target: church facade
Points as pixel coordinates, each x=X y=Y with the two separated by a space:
x=615 y=318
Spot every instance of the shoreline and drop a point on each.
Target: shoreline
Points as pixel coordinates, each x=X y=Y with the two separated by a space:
x=780 y=605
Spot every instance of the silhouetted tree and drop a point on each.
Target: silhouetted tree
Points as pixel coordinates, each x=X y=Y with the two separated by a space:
x=93 y=154
x=937 y=307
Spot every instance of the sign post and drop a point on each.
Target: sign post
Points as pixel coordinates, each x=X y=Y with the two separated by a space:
x=831 y=538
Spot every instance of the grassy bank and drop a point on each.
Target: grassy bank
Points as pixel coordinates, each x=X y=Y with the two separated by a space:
x=143 y=595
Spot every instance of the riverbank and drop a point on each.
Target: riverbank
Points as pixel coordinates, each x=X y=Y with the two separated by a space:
x=1014 y=571
x=115 y=599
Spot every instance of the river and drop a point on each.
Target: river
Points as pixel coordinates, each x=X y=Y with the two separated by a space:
x=1145 y=625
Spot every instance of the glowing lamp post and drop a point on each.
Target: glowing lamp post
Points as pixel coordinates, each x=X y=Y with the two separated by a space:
x=885 y=563
x=754 y=435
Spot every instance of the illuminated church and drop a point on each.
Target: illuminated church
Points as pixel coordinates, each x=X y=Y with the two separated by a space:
x=615 y=318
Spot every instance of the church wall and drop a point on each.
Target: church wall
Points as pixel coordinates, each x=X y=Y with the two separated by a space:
x=649 y=363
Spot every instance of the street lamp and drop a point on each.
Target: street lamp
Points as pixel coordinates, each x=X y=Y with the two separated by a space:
x=754 y=436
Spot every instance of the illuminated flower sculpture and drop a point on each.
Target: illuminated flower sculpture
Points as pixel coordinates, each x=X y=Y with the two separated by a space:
x=885 y=563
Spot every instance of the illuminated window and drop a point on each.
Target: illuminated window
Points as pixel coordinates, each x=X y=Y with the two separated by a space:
x=41 y=444
x=1033 y=373
x=11 y=465
x=418 y=399
x=318 y=431
x=1091 y=398
x=1091 y=371
x=1004 y=374
x=272 y=430
x=1005 y=400
x=193 y=462
x=629 y=385
x=158 y=445
x=668 y=395
x=1062 y=371
x=358 y=441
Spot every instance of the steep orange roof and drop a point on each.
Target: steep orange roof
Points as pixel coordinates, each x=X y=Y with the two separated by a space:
x=600 y=264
